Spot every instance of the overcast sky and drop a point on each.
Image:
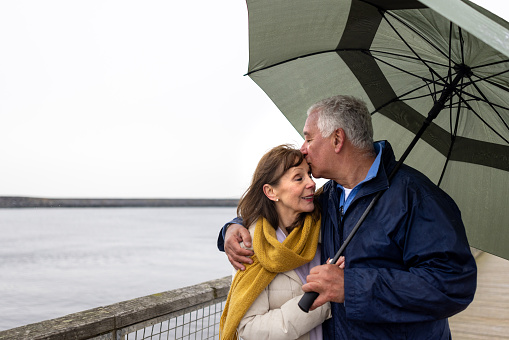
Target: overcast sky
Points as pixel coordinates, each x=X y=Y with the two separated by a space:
x=132 y=99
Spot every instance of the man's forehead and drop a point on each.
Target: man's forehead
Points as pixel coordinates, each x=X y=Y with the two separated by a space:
x=309 y=127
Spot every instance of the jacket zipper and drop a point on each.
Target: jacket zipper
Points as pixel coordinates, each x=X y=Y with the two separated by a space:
x=340 y=224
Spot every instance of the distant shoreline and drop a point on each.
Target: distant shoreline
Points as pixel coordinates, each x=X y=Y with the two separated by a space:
x=34 y=202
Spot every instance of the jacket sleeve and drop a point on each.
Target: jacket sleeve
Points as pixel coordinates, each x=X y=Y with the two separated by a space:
x=285 y=323
x=222 y=232
x=436 y=280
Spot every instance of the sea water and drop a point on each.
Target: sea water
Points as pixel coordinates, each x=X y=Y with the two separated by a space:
x=57 y=261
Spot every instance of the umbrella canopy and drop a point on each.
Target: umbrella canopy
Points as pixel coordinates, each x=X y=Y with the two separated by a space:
x=444 y=62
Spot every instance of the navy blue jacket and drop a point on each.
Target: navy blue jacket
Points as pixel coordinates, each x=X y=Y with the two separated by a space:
x=408 y=268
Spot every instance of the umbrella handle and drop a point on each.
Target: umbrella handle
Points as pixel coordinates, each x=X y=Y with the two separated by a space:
x=307 y=300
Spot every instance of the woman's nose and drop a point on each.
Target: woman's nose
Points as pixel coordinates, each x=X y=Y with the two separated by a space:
x=311 y=183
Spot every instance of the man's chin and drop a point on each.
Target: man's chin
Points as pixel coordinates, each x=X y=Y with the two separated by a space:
x=315 y=174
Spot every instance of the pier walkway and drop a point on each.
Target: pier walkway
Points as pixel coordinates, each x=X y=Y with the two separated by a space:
x=487 y=317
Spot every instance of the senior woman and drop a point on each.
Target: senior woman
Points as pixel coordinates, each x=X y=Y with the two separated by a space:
x=284 y=222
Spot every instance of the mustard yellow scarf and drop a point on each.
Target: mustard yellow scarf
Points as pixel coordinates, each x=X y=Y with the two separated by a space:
x=271 y=257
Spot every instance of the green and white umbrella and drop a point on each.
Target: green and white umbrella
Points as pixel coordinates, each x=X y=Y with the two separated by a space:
x=445 y=62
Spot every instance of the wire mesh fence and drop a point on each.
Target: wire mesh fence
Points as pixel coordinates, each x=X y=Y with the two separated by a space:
x=198 y=322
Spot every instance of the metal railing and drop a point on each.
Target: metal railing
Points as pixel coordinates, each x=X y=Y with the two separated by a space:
x=187 y=313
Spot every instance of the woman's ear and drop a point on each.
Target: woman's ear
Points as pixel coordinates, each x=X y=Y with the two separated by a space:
x=270 y=192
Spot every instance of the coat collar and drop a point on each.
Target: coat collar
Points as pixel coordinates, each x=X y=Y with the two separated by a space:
x=292 y=274
x=378 y=183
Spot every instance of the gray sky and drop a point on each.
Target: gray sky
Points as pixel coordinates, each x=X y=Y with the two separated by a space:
x=132 y=99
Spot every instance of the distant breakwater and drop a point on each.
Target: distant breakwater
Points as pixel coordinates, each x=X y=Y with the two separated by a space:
x=34 y=202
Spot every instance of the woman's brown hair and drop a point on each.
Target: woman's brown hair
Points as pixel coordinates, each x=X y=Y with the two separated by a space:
x=271 y=167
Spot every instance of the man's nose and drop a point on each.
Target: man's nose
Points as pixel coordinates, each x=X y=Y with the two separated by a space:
x=303 y=149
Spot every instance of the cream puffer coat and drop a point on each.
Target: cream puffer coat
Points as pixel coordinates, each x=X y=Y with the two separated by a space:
x=275 y=314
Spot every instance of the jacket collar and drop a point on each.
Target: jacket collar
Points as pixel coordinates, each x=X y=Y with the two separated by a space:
x=378 y=183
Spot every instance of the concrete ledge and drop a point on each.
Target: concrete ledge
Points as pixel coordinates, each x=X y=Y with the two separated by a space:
x=34 y=202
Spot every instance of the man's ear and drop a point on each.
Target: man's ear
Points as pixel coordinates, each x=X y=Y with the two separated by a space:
x=338 y=138
x=270 y=192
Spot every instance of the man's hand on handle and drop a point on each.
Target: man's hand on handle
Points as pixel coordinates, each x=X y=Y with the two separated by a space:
x=238 y=256
x=328 y=281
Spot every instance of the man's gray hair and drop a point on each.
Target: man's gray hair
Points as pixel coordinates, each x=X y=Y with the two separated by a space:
x=350 y=114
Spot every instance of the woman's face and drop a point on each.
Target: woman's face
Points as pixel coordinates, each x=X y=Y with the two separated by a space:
x=295 y=192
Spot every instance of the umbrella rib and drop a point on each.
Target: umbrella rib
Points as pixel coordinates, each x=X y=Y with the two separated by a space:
x=407 y=72
x=431 y=94
x=450 y=52
x=458 y=112
x=482 y=120
x=427 y=82
x=479 y=99
x=434 y=91
x=293 y=59
x=401 y=97
x=426 y=62
x=409 y=57
x=487 y=79
x=490 y=64
x=377 y=51
x=492 y=106
x=453 y=136
x=474 y=99
x=417 y=33
x=484 y=98
x=462 y=42
x=416 y=97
